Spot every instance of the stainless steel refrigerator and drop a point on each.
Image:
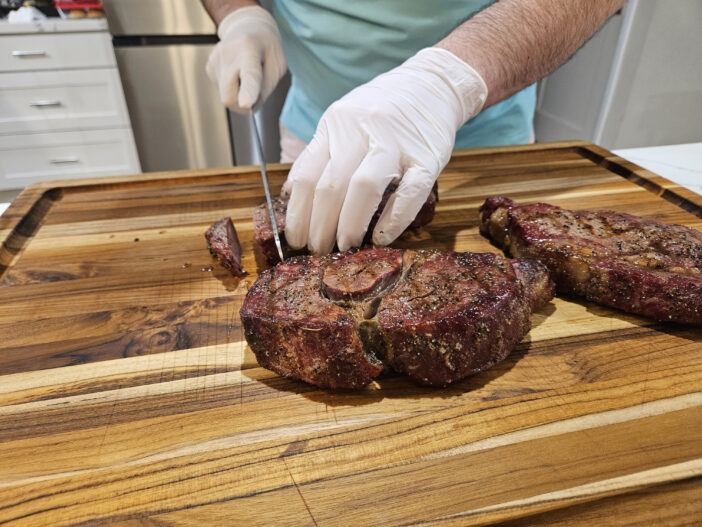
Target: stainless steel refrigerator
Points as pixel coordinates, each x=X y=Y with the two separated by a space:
x=162 y=47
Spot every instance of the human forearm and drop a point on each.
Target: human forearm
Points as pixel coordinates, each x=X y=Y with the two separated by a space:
x=218 y=9
x=514 y=43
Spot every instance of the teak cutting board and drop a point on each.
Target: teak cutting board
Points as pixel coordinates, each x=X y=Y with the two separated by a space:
x=128 y=394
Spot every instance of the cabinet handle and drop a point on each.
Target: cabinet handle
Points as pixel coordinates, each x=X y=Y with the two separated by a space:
x=41 y=104
x=64 y=160
x=29 y=53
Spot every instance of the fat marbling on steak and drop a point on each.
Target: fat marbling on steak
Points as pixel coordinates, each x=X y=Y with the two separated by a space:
x=264 y=231
x=628 y=262
x=338 y=321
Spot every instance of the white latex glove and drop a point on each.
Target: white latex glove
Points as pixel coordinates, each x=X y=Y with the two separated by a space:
x=248 y=61
x=400 y=125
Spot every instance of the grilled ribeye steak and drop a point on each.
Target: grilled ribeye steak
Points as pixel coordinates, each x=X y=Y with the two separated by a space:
x=337 y=321
x=264 y=231
x=224 y=244
x=635 y=264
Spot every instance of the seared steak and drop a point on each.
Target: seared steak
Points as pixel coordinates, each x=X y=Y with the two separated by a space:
x=456 y=314
x=224 y=244
x=339 y=320
x=264 y=231
x=631 y=263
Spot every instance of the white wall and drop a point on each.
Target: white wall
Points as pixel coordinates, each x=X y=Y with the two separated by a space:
x=637 y=83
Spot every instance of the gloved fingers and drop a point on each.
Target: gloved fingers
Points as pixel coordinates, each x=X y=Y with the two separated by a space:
x=346 y=151
x=211 y=66
x=225 y=76
x=404 y=204
x=366 y=188
x=250 y=79
x=300 y=185
x=228 y=85
x=274 y=67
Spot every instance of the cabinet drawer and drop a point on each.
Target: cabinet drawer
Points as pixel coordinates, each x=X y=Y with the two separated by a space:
x=55 y=51
x=61 y=100
x=29 y=158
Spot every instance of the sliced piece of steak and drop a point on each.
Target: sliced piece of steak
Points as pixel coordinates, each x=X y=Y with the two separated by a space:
x=224 y=244
x=434 y=316
x=456 y=314
x=264 y=231
x=296 y=332
x=628 y=262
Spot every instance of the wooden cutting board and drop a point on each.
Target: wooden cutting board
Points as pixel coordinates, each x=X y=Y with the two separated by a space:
x=128 y=394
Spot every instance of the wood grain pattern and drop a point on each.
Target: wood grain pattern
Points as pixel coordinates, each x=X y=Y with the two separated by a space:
x=128 y=395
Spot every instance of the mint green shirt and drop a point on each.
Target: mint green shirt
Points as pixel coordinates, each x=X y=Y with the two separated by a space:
x=332 y=46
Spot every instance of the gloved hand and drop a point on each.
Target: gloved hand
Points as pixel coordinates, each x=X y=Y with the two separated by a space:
x=248 y=60
x=400 y=125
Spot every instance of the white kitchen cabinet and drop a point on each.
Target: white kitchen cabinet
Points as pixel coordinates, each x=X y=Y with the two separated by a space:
x=38 y=101
x=62 y=155
x=62 y=107
x=55 y=51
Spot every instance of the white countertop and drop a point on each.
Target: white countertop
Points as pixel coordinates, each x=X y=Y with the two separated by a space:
x=681 y=164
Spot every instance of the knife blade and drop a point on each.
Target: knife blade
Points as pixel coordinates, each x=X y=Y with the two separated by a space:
x=264 y=178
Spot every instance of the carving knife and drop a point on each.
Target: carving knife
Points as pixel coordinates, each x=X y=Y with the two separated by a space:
x=264 y=178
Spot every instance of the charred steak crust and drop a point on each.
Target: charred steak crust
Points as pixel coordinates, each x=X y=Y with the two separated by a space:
x=223 y=243
x=264 y=231
x=456 y=314
x=628 y=262
x=434 y=316
x=296 y=332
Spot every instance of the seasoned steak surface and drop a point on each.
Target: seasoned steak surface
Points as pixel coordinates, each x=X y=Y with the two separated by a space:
x=635 y=264
x=296 y=332
x=362 y=274
x=434 y=316
x=456 y=314
x=224 y=244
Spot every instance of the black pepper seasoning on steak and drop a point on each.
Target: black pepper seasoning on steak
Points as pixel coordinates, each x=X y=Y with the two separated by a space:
x=362 y=274
x=628 y=262
x=296 y=332
x=456 y=314
x=338 y=320
x=224 y=244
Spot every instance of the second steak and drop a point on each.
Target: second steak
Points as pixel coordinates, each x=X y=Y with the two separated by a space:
x=632 y=263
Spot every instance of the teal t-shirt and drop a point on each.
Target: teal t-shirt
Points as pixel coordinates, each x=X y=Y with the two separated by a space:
x=332 y=46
